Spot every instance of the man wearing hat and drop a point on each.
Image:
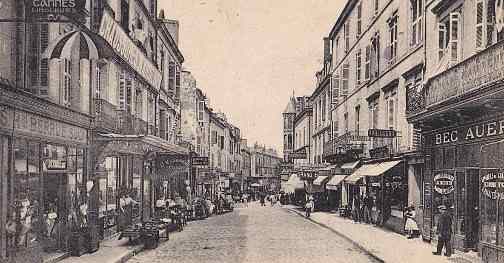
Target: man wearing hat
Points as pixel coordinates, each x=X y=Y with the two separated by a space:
x=444 y=231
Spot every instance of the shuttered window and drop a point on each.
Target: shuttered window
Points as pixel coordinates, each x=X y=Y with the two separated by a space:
x=171 y=78
x=335 y=88
x=455 y=29
x=367 y=70
x=480 y=24
x=442 y=41
x=344 y=79
x=347 y=36
x=416 y=11
x=359 y=19
x=358 y=65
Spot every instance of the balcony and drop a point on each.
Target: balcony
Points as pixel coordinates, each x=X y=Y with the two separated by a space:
x=106 y=116
x=472 y=78
x=130 y=124
x=352 y=142
x=386 y=147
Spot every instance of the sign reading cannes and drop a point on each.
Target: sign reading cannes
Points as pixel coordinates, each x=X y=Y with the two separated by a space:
x=38 y=8
x=200 y=160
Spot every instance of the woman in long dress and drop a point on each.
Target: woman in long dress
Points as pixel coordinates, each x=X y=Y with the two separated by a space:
x=411 y=226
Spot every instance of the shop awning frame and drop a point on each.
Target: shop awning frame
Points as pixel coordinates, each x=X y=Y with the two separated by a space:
x=351 y=165
x=371 y=170
x=321 y=180
x=359 y=173
x=335 y=181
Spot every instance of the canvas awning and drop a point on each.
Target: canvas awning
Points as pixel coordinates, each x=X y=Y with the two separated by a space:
x=320 y=180
x=139 y=144
x=351 y=165
x=295 y=182
x=376 y=169
x=335 y=181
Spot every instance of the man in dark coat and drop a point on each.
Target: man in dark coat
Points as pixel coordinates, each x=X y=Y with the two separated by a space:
x=444 y=231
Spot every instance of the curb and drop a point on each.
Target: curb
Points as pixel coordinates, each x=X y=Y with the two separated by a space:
x=353 y=242
x=130 y=254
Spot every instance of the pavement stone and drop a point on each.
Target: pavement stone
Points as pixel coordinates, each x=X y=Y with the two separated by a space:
x=385 y=245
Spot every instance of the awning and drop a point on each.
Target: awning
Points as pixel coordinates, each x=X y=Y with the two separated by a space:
x=295 y=182
x=320 y=180
x=311 y=189
x=67 y=44
x=376 y=169
x=335 y=181
x=359 y=173
x=351 y=165
x=328 y=168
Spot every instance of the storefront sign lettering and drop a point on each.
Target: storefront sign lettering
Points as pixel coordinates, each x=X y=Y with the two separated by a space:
x=470 y=133
x=483 y=69
x=47 y=128
x=443 y=183
x=121 y=42
x=54 y=7
x=55 y=164
x=493 y=183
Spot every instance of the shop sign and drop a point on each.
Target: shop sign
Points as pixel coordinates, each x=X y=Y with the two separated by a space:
x=56 y=164
x=444 y=183
x=42 y=8
x=493 y=183
x=379 y=133
x=470 y=133
x=43 y=127
x=112 y=32
x=199 y=161
x=480 y=70
x=380 y=152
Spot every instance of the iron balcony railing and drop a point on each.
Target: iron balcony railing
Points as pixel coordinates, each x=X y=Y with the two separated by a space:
x=351 y=141
x=106 y=116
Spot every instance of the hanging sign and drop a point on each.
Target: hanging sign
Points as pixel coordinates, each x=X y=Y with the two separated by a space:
x=444 y=183
x=56 y=164
x=378 y=133
x=199 y=160
x=492 y=183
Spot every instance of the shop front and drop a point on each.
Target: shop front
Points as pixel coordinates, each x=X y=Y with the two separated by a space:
x=463 y=171
x=130 y=176
x=44 y=189
x=383 y=186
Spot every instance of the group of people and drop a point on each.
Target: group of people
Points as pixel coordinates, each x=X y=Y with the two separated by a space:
x=362 y=206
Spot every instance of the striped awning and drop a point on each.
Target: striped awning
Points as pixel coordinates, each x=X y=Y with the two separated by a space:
x=67 y=44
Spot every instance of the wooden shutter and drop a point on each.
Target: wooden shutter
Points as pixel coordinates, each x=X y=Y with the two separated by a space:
x=335 y=88
x=44 y=65
x=359 y=20
x=344 y=79
x=347 y=36
x=480 y=24
x=367 y=70
x=441 y=40
x=455 y=29
x=358 y=63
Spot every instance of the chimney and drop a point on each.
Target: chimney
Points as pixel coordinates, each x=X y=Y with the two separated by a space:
x=173 y=28
x=327 y=49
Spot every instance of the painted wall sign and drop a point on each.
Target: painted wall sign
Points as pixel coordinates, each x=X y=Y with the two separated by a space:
x=43 y=127
x=483 y=69
x=378 y=133
x=38 y=8
x=112 y=32
x=492 y=183
x=444 y=183
x=470 y=133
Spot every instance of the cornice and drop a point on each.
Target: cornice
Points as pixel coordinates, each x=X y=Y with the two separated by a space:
x=21 y=100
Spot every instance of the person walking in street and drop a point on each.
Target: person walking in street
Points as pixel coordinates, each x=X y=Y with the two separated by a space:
x=262 y=200
x=367 y=206
x=309 y=206
x=411 y=227
x=444 y=231
x=245 y=200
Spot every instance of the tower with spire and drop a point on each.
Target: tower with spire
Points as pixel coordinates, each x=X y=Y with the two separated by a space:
x=289 y=115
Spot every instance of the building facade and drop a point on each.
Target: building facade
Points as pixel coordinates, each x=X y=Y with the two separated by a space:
x=265 y=168
x=91 y=111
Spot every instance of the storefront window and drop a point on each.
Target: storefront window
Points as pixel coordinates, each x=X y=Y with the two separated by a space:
x=461 y=204
x=23 y=219
x=136 y=193
x=488 y=220
x=108 y=188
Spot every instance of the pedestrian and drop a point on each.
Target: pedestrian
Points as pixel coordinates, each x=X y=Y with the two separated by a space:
x=245 y=200
x=411 y=227
x=356 y=208
x=273 y=200
x=444 y=231
x=368 y=204
x=309 y=206
x=262 y=200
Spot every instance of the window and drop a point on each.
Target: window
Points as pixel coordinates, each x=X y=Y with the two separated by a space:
x=346 y=31
x=98 y=90
x=376 y=6
x=375 y=56
x=336 y=50
x=485 y=13
x=344 y=80
x=357 y=118
x=335 y=88
x=67 y=81
x=345 y=117
x=391 y=104
x=359 y=19
x=367 y=64
x=125 y=15
x=373 y=113
x=323 y=106
x=392 y=48
x=358 y=63
x=222 y=142
x=416 y=22
x=201 y=110
x=171 y=78
x=139 y=102
x=177 y=82
x=449 y=31
x=162 y=68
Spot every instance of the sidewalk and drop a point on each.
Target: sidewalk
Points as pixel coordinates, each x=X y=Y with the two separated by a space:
x=111 y=251
x=387 y=246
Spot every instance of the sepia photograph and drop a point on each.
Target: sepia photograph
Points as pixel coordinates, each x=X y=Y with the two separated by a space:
x=251 y=131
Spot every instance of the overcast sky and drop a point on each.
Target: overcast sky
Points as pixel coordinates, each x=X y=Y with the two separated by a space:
x=249 y=55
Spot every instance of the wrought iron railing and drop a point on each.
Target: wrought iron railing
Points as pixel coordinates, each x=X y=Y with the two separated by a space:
x=350 y=141
x=106 y=115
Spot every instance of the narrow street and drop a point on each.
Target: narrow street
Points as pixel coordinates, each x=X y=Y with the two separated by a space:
x=254 y=234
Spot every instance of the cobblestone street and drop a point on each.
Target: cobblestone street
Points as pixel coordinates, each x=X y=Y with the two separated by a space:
x=254 y=234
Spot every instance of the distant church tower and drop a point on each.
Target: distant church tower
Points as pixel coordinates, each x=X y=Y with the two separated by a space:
x=288 y=128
